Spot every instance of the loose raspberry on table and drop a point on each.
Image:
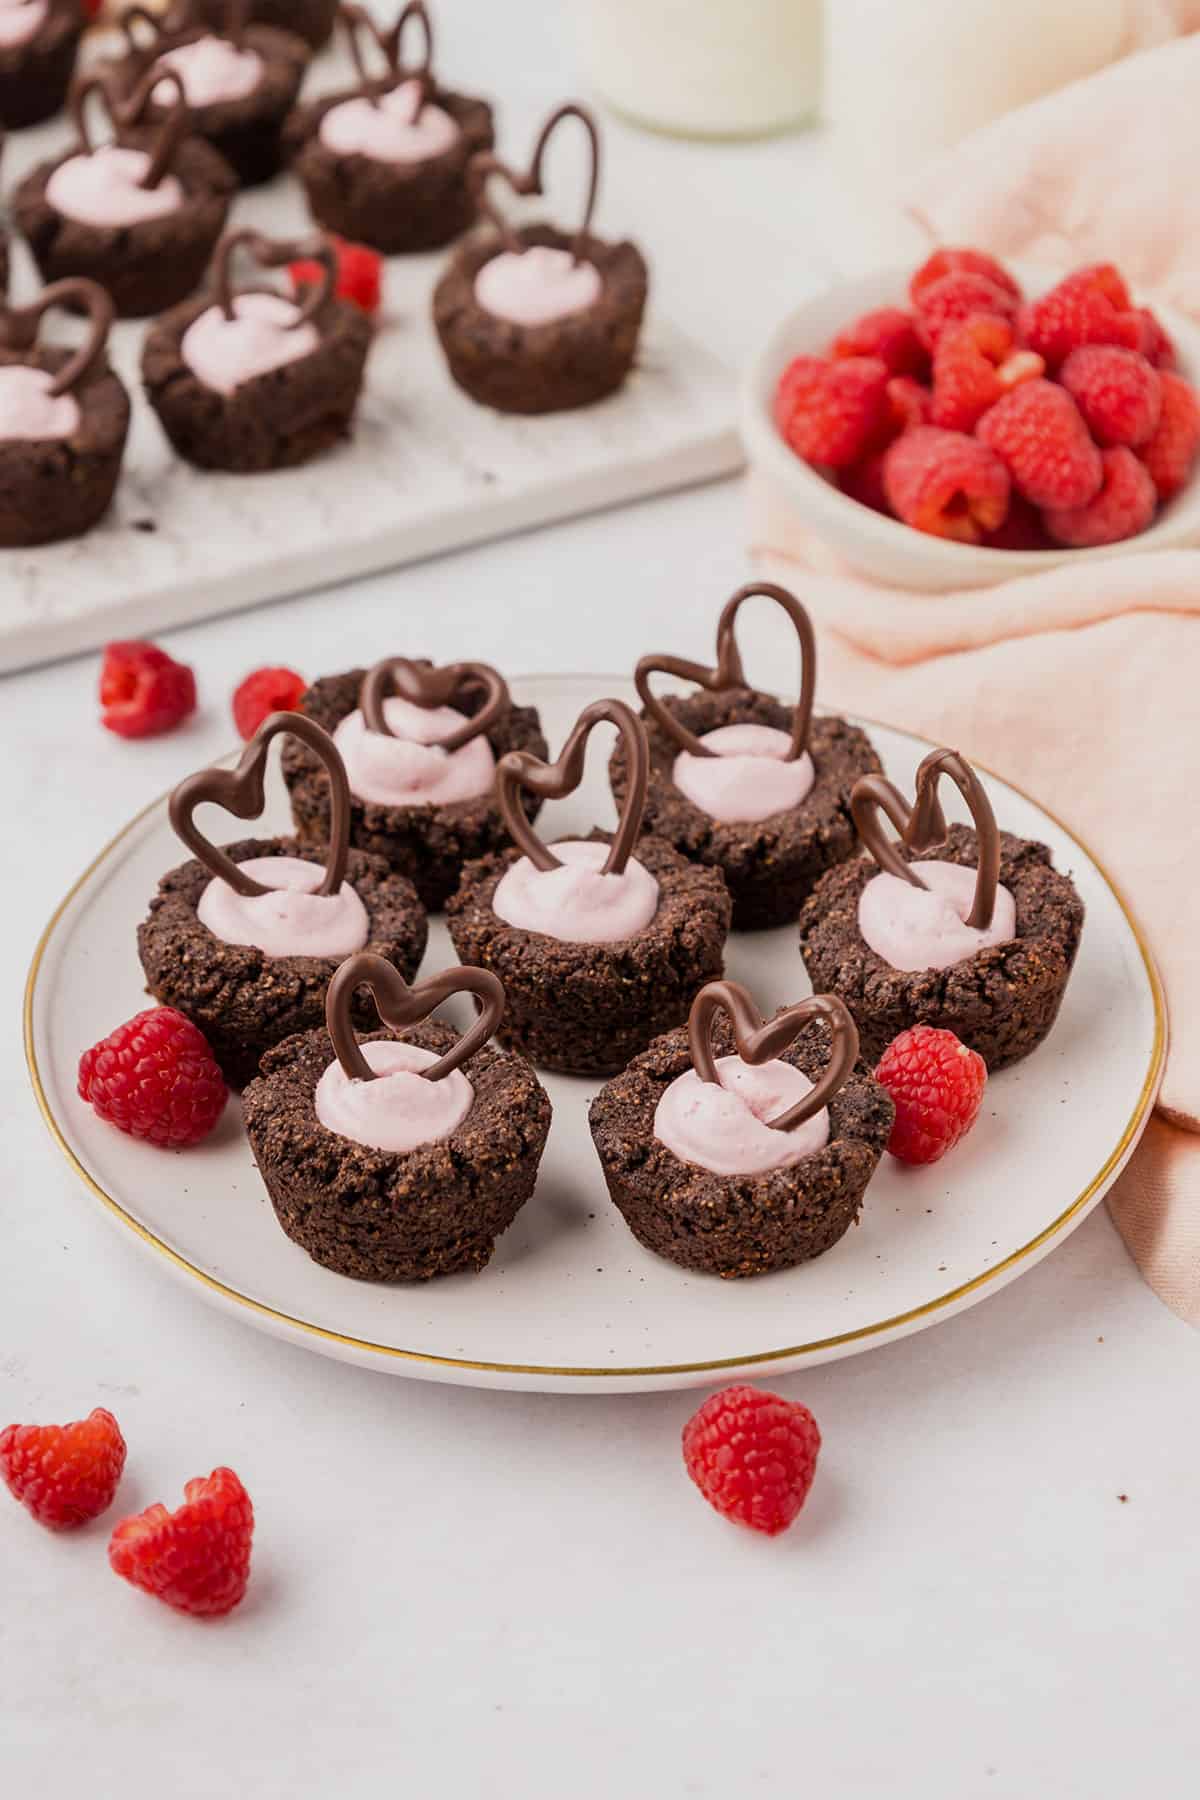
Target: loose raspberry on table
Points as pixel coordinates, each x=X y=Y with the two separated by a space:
x=955 y=298
x=957 y=262
x=888 y=333
x=1171 y=453
x=976 y=364
x=143 y=691
x=359 y=275
x=263 y=692
x=1092 y=306
x=830 y=412
x=1125 y=505
x=1039 y=433
x=936 y=1084
x=196 y=1559
x=156 y=1078
x=753 y=1456
x=946 y=483
x=1118 y=392
x=65 y=1475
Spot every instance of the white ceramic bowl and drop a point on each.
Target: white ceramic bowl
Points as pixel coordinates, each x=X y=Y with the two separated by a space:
x=883 y=548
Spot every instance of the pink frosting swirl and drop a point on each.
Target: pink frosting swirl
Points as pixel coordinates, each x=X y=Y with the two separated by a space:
x=291 y=920
x=29 y=411
x=577 y=903
x=536 y=286
x=20 y=20
x=918 y=928
x=225 y=353
x=748 y=779
x=401 y=1109
x=723 y=1129
x=212 y=70
x=408 y=768
x=398 y=130
x=101 y=188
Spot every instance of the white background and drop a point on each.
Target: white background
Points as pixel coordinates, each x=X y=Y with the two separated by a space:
x=461 y=1592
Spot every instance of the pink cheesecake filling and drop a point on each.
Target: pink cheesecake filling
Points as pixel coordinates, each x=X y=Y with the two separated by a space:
x=577 y=903
x=724 y=1129
x=401 y=1109
x=748 y=778
x=102 y=188
x=409 y=768
x=398 y=130
x=536 y=286
x=29 y=411
x=212 y=70
x=20 y=20
x=225 y=353
x=291 y=920
x=918 y=928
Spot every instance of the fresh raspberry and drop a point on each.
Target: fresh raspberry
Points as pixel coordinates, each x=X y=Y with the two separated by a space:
x=889 y=334
x=909 y=404
x=975 y=365
x=264 y=692
x=937 y=1085
x=143 y=691
x=945 y=483
x=1155 y=345
x=65 y=1475
x=1124 y=506
x=1021 y=529
x=863 y=481
x=829 y=412
x=1117 y=391
x=197 y=1559
x=155 y=1077
x=959 y=262
x=1092 y=306
x=954 y=298
x=1039 y=433
x=753 y=1456
x=1170 y=453
x=359 y=275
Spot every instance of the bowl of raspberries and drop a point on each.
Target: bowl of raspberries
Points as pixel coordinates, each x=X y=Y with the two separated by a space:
x=956 y=425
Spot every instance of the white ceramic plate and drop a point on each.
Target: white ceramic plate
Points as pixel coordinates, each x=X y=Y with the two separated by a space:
x=570 y=1301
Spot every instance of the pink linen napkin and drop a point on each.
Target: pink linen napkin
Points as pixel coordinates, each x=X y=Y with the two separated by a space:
x=1083 y=686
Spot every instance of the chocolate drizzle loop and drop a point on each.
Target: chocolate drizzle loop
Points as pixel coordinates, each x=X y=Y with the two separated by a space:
x=398 y=1005
x=521 y=769
x=358 y=24
x=274 y=253
x=922 y=826
x=728 y=672
x=485 y=164
x=759 y=1042
x=124 y=116
x=241 y=791
x=428 y=688
x=20 y=326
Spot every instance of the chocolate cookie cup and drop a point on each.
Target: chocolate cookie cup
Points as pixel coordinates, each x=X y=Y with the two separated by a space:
x=770 y=863
x=312 y=20
x=36 y=73
x=1002 y=999
x=289 y=412
x=243 y=997
x=246 y=130
x=389 y=1215
x=145 y=263
x=734 y=1224
x=428 y=843
x=578 y=1006
x=566 y=332
x=60 y=455
x=397 y=206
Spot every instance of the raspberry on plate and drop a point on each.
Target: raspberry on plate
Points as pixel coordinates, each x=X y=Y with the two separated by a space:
x=888 y=333
x=263 y=692
x=1171 y=452
x=196 y=1559
x=1118 y=392
x=937 y=1086
x=143 y=691
x=156 y=1078
x=956 y=297
x=1092 y=306
x=753 y=1456
x=830 y=412
x=1124 y=506
x=975 y=364
x=957 y=262
x=946 y=483
x=1038 y=432
x=359 y=275
x=65 y=1475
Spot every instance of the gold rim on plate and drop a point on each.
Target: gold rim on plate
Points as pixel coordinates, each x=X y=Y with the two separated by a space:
x=860 y=1334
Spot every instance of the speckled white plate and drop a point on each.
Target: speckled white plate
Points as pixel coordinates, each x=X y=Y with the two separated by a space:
x=571 y=1302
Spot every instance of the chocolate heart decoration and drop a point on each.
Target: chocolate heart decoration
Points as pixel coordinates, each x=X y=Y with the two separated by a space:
x=274 y=253
x=529 y=181
x=435 y=687
x=358 y=24
x=759 y=1042
x=728 y=672
x=241 y=791
x=398 y=1005
x=922 y=826
x=123 y=116
x=20 y=325
x=521 y=769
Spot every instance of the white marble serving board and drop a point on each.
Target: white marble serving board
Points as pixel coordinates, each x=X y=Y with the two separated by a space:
x=427 y=470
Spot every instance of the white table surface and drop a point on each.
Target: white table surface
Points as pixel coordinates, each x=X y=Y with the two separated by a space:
x=460 y=1592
